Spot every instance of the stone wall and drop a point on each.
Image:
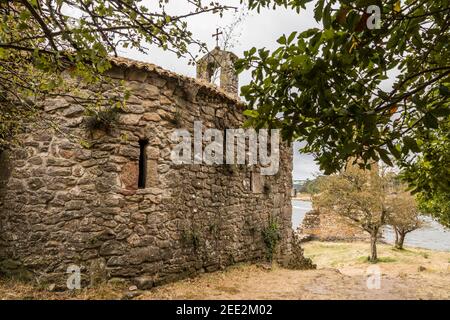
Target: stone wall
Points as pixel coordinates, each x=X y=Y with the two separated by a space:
x=329 y=226
x=63 y=204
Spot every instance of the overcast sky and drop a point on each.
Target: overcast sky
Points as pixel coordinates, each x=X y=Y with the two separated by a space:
x=256 y=30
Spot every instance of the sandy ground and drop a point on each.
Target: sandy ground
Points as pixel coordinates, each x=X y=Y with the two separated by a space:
x=342 y=274
x=302 y=196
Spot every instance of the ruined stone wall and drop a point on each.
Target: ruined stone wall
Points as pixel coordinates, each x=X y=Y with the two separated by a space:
x=329 y=226
x=63 y=204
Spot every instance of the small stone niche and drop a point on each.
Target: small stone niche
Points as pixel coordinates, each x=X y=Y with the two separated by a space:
x=256 y=182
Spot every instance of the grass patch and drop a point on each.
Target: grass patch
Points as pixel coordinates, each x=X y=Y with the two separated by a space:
x=409 y=252
x=365 y=259
x=386 y=259
x=425 y=255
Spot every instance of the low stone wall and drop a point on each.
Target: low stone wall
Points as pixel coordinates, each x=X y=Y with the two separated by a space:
x=329 y=226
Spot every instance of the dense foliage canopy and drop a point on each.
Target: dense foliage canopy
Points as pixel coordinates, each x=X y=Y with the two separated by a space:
x=330 y=86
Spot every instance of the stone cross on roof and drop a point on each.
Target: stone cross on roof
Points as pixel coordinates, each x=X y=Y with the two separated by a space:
x=217 y=34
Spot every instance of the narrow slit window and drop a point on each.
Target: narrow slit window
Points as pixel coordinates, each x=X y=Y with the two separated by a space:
x=224 y=154
x=142 y=164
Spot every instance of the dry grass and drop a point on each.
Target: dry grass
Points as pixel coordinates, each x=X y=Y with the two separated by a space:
x=351 y=257
x=16 y=290
x=406 y=274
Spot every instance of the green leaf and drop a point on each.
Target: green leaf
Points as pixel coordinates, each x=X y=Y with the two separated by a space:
x=291 y=37
x=394 y=150
x=318 y=10
x=430 y=121
x=326 y=17
x=384 y=155
x=410 y=144
x=442 y=111
x=282 y=39
x=251 y=113
x=299 y=61
x=444 y=90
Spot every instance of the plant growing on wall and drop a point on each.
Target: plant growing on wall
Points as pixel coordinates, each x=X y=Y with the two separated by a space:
x=191 y=238
x=230 y=169
x=102 y=118
x=271 y=235
x=177 y=119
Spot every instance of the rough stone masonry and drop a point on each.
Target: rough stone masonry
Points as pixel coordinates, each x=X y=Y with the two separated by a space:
x=63 y=204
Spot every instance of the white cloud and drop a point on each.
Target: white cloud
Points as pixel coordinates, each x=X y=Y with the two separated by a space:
x=304 y=165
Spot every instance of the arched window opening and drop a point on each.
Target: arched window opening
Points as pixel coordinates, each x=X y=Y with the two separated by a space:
x=215 y=79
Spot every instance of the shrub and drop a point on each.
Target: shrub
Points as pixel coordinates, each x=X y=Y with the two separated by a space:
x=272 y=236
x=102 y=119
x=177 y=119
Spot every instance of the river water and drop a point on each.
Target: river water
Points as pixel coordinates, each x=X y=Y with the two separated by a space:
x=432 y=236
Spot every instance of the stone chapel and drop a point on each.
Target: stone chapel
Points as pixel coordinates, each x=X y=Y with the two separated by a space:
x=119 y=208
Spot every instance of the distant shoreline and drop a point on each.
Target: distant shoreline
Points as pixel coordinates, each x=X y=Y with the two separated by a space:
x=433 y=236
x=302 y=196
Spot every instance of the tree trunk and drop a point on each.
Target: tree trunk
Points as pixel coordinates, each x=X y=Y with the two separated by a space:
x=396 y=236
x=401 y=239
x=373 y=247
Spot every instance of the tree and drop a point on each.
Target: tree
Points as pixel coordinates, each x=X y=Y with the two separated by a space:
x=438 y=206
x=47 y=46
x=327 y=86
x=360 y=196
x=428 y=174
x=311 y=186
x=404 y=216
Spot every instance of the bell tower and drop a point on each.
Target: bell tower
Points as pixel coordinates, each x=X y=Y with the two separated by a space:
x=223 y=61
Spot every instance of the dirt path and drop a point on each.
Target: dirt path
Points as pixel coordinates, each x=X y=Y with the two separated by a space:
x=250 y=282
x=341 y=274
